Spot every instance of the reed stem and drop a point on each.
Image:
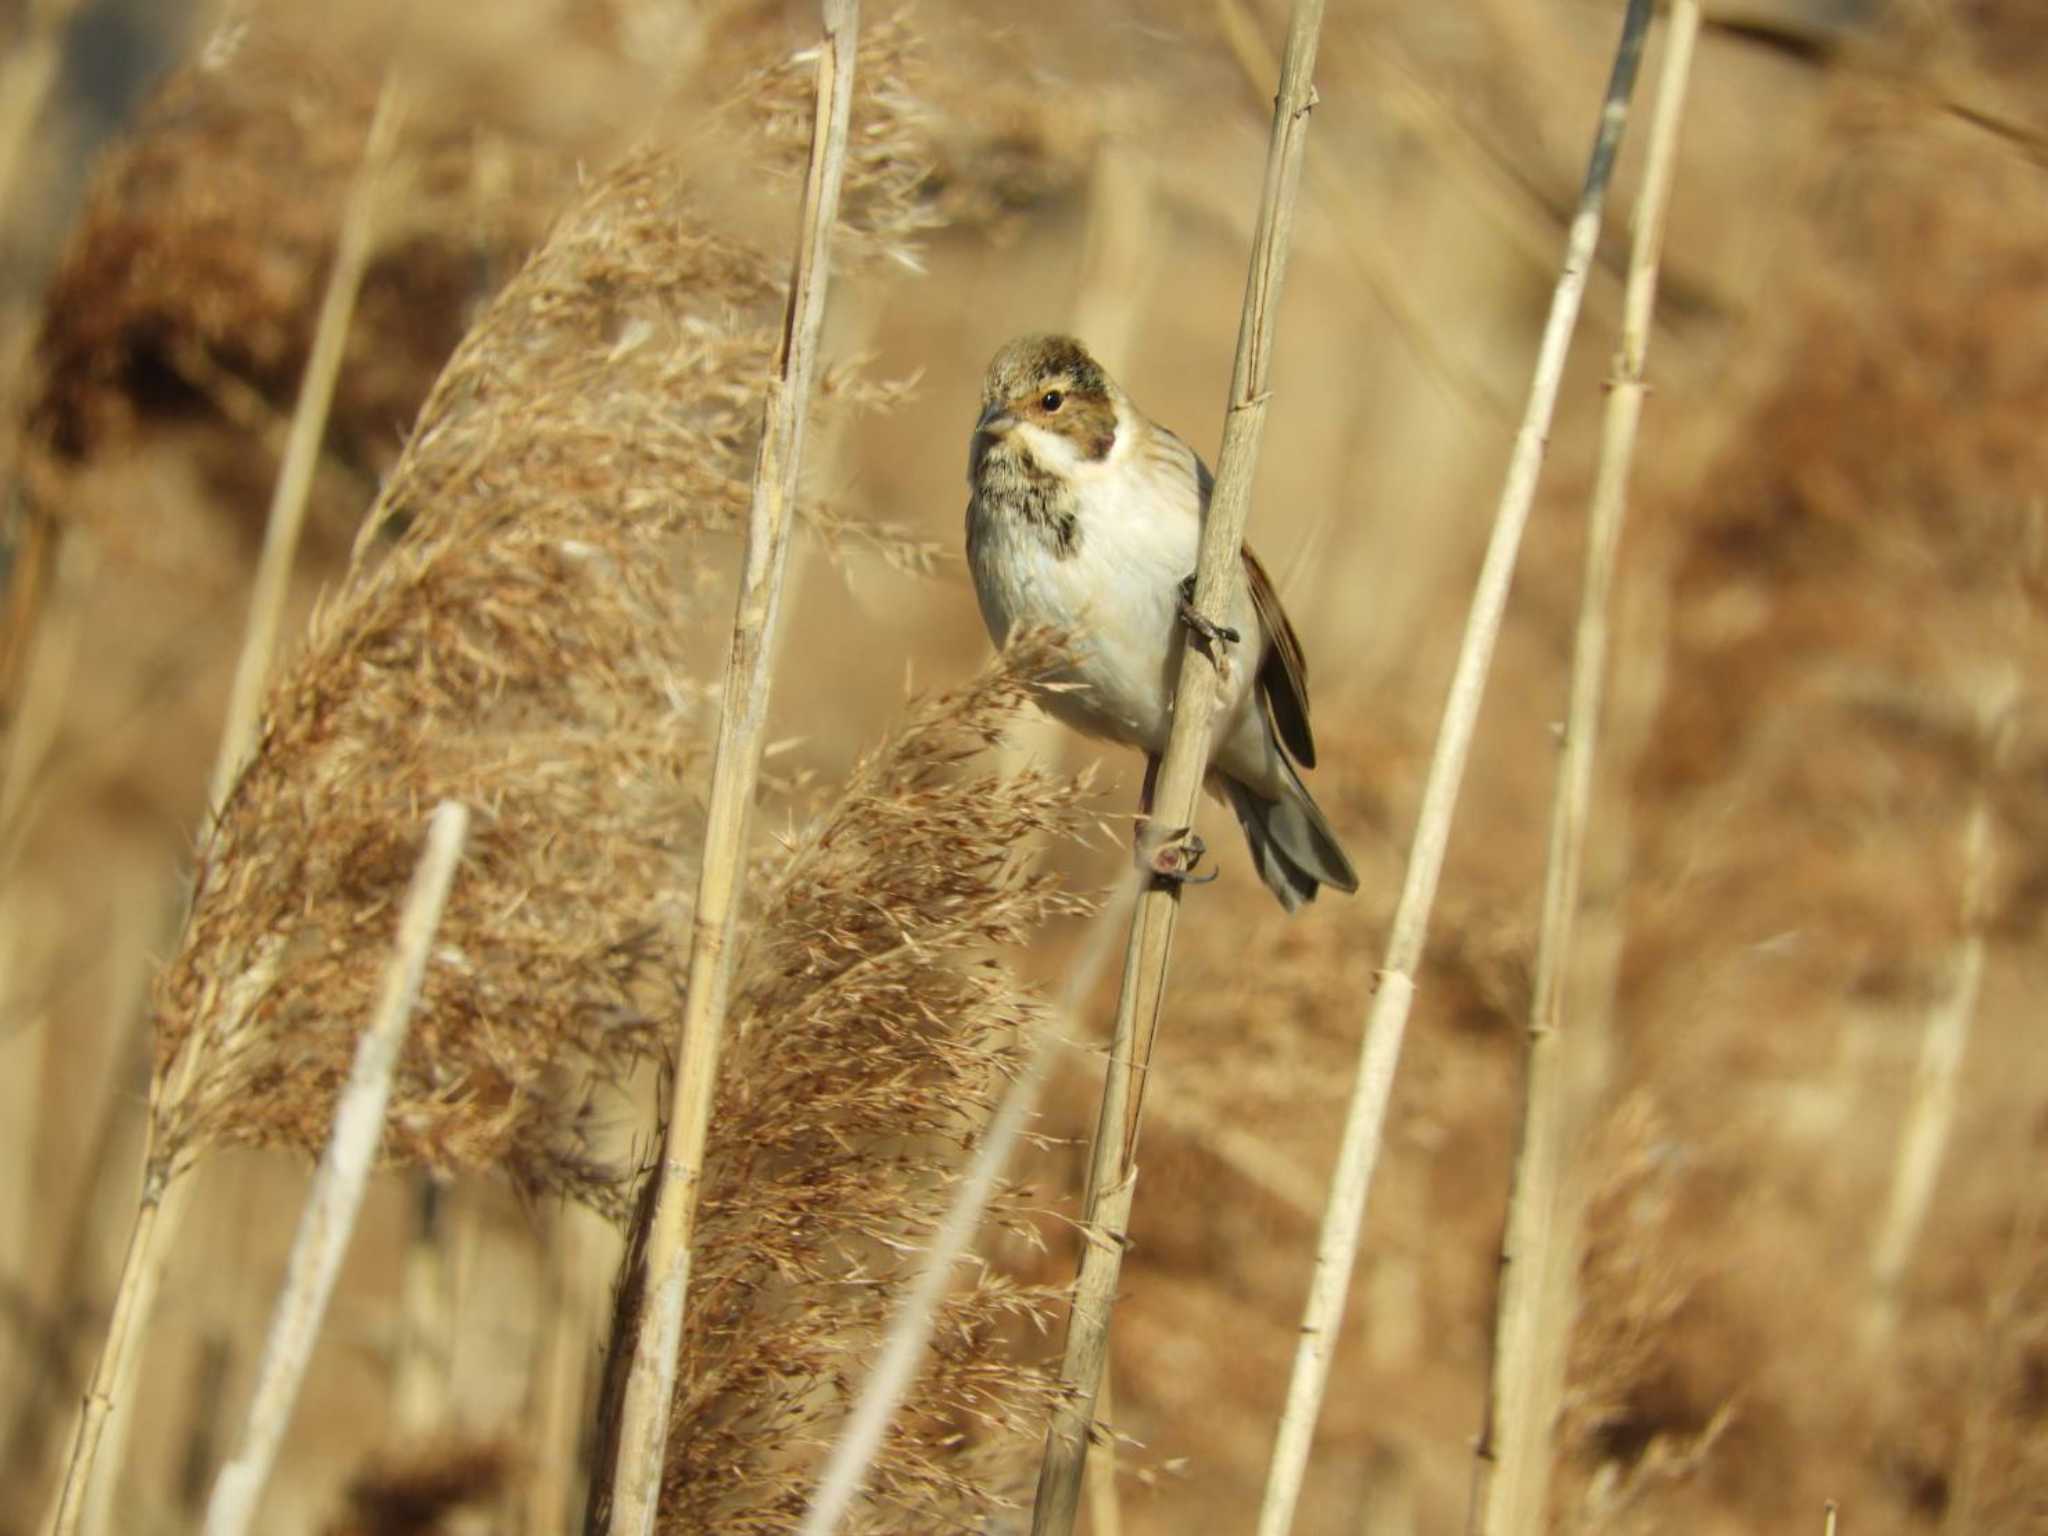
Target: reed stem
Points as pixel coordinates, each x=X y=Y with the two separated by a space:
x=1387 y=1020
x=642 y=1431
x=1113 y=1169
x=1539 y=1255
x=294 y=485
x=329 y=1217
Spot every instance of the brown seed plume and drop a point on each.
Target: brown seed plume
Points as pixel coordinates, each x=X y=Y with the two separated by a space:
x=512 y=633
x=872 y=1031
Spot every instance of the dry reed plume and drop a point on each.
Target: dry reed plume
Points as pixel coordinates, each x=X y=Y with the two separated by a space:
x=870 y=1032
x=189 y=285
x=520 y=646
x=1842 y=556
x=509 y=633
x=510 y=636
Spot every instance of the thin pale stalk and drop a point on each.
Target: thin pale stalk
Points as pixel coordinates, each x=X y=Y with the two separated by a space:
x=1218 y=575
x=46 y=687
x=572 y=1240
x=103 y=1193
x=329 y=1218
x=1365 y=1123
x=1511 y=1473
x=142 y=1269
x=1365 y=239
x=1105 y=1514
x=422 y=1368
x=158 y=1215
x=158 y=1218
x=642 y=1433
x=884 y=1388
x=26 y=76
x=24 y=1032
x=294 y=486
x=1943 y=1044
x=1998 y=1346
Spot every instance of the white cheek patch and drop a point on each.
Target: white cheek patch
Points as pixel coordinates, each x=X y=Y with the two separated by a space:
x=1051 y=450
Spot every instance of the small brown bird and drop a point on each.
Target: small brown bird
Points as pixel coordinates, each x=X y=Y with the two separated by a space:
x=1087 y=516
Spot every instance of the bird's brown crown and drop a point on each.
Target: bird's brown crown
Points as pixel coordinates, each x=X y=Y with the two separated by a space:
x=1032 y=364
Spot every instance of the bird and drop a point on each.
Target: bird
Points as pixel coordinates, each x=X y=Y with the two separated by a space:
x=1086 y=516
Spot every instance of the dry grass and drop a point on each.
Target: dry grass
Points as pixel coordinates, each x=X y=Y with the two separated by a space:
x=509 y=637
x=189 y=286
x=869 y=1037
x=1840 y=547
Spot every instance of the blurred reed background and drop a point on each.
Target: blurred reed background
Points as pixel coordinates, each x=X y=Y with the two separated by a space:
x=1805 y=1012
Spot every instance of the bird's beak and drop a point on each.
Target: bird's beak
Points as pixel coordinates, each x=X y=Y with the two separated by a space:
x=996 y=421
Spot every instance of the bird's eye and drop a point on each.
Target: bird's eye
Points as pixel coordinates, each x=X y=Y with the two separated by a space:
x=1051 y=400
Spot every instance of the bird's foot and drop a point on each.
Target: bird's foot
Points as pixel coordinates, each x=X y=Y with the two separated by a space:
x=1218 y=635
x=1172 y=858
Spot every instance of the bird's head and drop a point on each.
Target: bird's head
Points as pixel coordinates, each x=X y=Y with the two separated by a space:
x=1046 y=396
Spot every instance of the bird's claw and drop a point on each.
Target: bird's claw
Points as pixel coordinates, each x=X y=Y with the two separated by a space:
x=1216 y=634
x=1173 y=858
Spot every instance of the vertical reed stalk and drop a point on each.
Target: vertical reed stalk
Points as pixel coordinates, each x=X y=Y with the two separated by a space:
x=26 y=76
x=884 y=1388
x=1105 y=1514
x=642 y=1434
x=1343 y=1218
x=1113 y=1171
x=51 y=654
x=329 y=1218
x=158 y=1215
x=422 y=1368
x=571 y=1300
x=294 y=487
x=83 y=1500
x=1946 y=1038
x=38 y=1406
x=1337 y=192
x=1998 y=1347
x=48 y=669
x=163 y=1199
x=1539 y=1255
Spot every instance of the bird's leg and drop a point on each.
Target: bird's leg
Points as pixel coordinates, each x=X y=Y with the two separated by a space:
x=1218 y=635
x=1174 y=856
x=1172 y=860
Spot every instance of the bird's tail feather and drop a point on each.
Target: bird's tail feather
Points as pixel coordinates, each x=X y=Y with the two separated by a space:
x=1292 y=846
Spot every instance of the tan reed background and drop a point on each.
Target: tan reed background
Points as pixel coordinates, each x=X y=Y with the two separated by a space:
x=1812 y=951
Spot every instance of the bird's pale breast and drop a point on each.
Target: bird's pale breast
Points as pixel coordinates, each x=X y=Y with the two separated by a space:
x=1115 y=590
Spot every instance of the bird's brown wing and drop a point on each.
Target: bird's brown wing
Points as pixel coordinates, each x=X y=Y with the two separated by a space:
x=1283 y=675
